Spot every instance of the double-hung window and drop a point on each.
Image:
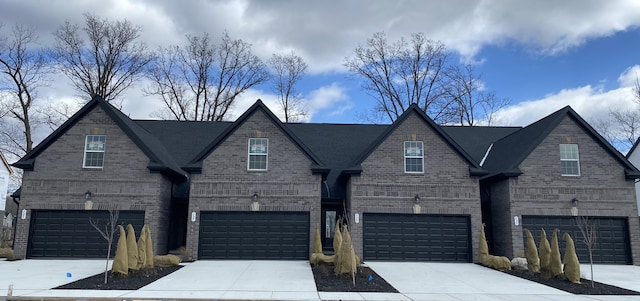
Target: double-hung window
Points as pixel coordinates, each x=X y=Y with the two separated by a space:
x=413 y=157
x=94 y=151
x=258 y=153
x=569 y=160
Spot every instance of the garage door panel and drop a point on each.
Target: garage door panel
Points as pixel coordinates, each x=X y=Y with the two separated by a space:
x=69 y=234
x=254 y=235
x=416 y=237
x=612 y=244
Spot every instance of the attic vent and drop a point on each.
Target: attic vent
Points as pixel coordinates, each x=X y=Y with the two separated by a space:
x=486 y=154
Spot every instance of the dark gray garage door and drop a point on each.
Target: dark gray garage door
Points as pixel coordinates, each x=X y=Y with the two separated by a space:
x=68 y=233
x=254 y=235
x=417 y=237
x=613 y=237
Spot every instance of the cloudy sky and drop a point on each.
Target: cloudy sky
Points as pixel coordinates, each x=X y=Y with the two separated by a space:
x=543 y=55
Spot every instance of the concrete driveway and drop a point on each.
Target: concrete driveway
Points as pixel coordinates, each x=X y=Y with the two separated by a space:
x=293 y=280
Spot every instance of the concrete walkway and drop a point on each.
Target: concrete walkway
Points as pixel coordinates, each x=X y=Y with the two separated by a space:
x=293 y=280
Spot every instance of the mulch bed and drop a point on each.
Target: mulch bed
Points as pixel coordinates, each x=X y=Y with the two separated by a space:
x=366 y=281
x=584 y=288
x=133 y=281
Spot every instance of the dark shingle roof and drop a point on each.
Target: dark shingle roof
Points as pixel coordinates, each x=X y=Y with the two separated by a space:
x=508 y=152
x=475 y=140
x=337 y=145
x=160 y=159
x=184 y=139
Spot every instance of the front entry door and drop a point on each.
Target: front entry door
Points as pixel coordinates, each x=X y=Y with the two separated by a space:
x=331 y=212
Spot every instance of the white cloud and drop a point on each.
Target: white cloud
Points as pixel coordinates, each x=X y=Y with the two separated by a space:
x=330 y=98
x=324 y=32
x=592 y=103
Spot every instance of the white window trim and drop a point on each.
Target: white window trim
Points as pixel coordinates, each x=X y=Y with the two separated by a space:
x=249 y=154
x=84 y=153
x=404 y=161
x=571 y=160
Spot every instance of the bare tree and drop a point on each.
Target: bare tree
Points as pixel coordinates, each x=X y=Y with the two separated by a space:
x=106 y=61
x=399 y=74
x=201 y=81
x=107 y=231
x=288 y=71
x=622 y=127
x=469 y=103
x=23 y=70
x=588 y=228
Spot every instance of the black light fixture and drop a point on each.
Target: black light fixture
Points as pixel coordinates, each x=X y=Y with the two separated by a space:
x=416 y=199
x=87 y=195
x=255 y=197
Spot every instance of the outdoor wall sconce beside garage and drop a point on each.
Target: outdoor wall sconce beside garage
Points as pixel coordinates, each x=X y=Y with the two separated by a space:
x=88 y=204
x=416 y=205
x=255 y=205
x=574 y=207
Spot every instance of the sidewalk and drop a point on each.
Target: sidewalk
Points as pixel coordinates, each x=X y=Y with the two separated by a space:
x=293 y=280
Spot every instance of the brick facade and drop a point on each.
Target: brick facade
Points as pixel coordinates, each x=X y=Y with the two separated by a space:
x=601 y=189
x=225 y=184
x=445 y=187
x=59 y=182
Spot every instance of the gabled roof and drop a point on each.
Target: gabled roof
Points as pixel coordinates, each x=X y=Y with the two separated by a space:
x=509 y=152
x=633 y=148
x=474 y=168
x=160 y=159
x=475 y=140
x=6 y=164
x=195 y=165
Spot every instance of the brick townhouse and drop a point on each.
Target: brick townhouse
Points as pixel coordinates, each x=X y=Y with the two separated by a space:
x=257 y=188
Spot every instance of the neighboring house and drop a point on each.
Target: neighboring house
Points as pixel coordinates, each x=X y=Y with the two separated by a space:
x=257 y=188
x=5 y=173
x=634 y=157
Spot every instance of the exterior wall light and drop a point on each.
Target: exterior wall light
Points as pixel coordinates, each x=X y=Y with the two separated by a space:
x=255 y=205
x=416 y=206
x=574 y=207
x=88 y=204
x=416 y=199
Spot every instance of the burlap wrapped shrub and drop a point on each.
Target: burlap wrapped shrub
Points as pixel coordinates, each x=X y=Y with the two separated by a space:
x=571 y=263
x=142 y=250
x=555 y=262
x=500 y=263
x=132 y=248
x=545 y=253
x=531 y=253
x=317 y=242
x=347 y=257
x=120 y=261
x=168 y=260
x=149 y=248
x=337 y=243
